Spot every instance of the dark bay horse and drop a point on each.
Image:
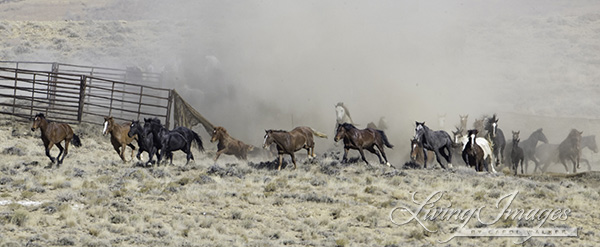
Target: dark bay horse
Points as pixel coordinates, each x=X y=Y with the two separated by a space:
x=169 y=141
x=145 y=140
x=529 y=148
x=439 y=142
x=368 y=139
x=288 y=142
x=229 y=145
x=118 y=136
x=548 y=153
x=516 y=154
x=54 y=133
x=473 y=154
x=570 y=149
x=496 y=135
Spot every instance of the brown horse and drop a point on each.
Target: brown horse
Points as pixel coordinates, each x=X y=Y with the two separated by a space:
x=570 y=149
x=229 y=145
x=292 y=141
x=54 y=133
x=473 y=154
x=416 y=152
x=362 y=139
x=118 y=136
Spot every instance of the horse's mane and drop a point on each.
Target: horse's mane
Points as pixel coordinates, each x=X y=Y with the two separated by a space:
x=277 y=131
x=348 y=126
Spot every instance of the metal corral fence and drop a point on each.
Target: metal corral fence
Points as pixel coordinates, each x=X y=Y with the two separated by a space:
x=82 y=94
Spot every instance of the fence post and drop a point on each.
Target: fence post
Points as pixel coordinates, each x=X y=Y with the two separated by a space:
x=82 y=86
x=169 y=103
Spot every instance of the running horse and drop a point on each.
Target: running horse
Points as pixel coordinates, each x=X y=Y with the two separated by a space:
x=169 y=141
x=496 y=135
x=363 y=139
x=288 y=142
x=118 y=136
x=473 y=154
x=229 y=145
x=437 y=141
x=548 y=153
x=570 y=149
x=54 y=133
x=145 y=140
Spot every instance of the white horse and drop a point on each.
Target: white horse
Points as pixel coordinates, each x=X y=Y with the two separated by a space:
x=342 y=114
x=460 y=138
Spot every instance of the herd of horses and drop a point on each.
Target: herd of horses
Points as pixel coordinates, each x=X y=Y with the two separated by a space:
x=483 y=147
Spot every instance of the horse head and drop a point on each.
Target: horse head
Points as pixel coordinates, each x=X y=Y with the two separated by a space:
x=515 y=135
x=340 y=132
x=539 y=135
x=108 y=125
x=516 y=142
x=590 y=142
x=268 y=139
x=134 y=128
x=472 y=134
x=217 y=133
x=463 y=120
x=458 y=134
x=420 y=129
x=37 y=121
x=414 y=151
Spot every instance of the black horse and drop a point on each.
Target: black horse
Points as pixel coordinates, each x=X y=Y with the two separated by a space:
x=168 y=141
x=436 y=141
x=189 y=135
x=145 y=140
x=517 y=154
x=497 y=136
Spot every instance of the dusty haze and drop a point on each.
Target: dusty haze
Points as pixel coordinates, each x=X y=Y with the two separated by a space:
x=255 y=65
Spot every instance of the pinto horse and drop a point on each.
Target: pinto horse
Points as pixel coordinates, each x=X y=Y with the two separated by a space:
x=229 y=145
x=145 y=140
x=52 y=134
x=437 y=141
x=292 y=141
x=118 y=136
x=363 y=139
x=473 y=154
x=463 y=139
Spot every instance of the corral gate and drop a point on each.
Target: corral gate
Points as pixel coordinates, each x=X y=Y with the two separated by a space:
x=75 y=94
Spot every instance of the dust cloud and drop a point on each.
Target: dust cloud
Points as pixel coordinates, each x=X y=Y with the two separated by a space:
x=255 y=65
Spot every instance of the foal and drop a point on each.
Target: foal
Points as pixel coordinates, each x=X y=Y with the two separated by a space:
x=54 y=133
x=517 y=154
x=118 y=136
x=229 y=145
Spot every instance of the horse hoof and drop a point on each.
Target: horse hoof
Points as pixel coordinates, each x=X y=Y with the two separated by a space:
x=450 y=165
x=388 y=164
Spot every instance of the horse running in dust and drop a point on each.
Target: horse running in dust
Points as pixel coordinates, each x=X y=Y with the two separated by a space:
x=229 y=145
x=288 y=142
x=54 y=133
x=363 y=139
x=169 y=141
x=496 y=135
x=437 y=141
x=118 y=136
x=570 y=149
x=548 y=153
x=529 y=148
x=472 y=153
x=516 y=154
x=416 y=152
x=463 y=139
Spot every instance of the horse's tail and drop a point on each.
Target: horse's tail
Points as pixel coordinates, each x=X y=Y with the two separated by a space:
x=76 y=141
x=319 y=134
x=198 y=141
x=385 y=139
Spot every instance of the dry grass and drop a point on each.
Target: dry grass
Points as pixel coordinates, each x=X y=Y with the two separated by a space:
x=94 y=200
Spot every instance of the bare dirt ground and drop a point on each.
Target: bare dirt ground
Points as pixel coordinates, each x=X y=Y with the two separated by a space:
x=534 y=65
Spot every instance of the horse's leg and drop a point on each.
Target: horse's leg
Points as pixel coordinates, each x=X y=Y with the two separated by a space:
x=372 y=150
x=575 y=164
x=587 y=162
x=60 y=152
x=449 y=159
x=280 y=161
x=424 y=158
x=293 y=160
x=362 y=155
x=219 y=152
x=444 y=155
x=345 y=158
x=380 y=147
x=437 y=157
x=132 y=149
